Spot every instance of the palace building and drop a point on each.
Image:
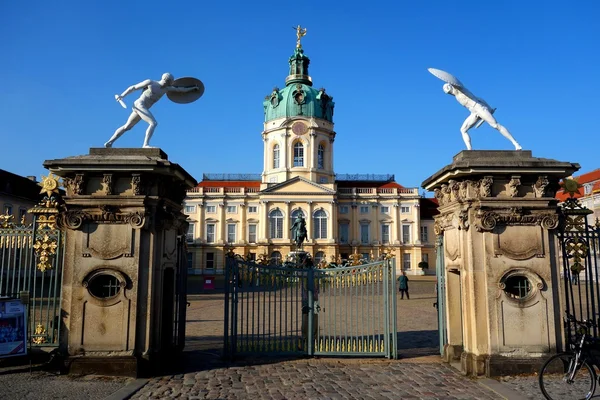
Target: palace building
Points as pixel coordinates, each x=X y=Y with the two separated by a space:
x=368 y=214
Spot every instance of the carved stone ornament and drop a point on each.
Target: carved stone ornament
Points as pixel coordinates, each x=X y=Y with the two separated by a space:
x=463 y=189
x=107 y=215
x=513 y=186
x=74 y=186
x=136 y=184
x=463 y=220
x=485 y=187
x=539 y=187
x=108 y=184
x=453 y=187
x=487 y=220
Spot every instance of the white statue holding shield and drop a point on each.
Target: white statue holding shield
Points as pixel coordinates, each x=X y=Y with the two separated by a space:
x=183 y=90
x=480 y=110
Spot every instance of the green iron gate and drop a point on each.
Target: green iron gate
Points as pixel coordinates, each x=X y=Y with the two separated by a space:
x=309 y=311
x=31 y=269
x=441 y=293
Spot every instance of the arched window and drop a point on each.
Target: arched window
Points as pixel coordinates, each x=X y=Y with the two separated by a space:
x=276 y=224
x=320 y=256
x=320 y=224
x=276 y=156
x=321 y=157
x=275 y=258
x=298 y=155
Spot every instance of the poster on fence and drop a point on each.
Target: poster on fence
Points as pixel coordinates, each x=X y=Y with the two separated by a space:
x=13 y=322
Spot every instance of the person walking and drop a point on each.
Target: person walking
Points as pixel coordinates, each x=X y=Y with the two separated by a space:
x=403 y=285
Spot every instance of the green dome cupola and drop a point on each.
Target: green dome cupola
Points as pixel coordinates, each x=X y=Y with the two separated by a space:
x=298 y=98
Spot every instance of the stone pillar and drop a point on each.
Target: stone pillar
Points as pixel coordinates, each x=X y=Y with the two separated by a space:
x=498 y=216
x=124 y=273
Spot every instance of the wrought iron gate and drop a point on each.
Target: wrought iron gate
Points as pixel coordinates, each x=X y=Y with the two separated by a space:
x=580 y=250
x=441 y=293
x=31 y=269
x=333 y=311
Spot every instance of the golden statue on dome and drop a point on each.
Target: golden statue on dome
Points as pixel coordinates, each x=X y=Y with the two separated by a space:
x=300 y=32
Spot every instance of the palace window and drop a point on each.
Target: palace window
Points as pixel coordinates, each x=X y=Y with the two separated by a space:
x=276 y=258
x=385 y=209
x=321 y=157
x=320 y=224
x=276 y=156
x=405 y=233
x=210 y=233
x=8 y=209
x=190 y=209
x=298 y=154
x=190 y=233
x=190 y=260
x=364 y=233
x=230 y=233
x=385 y=233
x=211 y=209
x=210 y=260
x=276 y=224
x=231 y=209
x=252 y=209
x=252 y=233
x=364 y=209
x=406 y=261
x=344 y=231
x=424 y=234
x=343 y=209
x=405 y=209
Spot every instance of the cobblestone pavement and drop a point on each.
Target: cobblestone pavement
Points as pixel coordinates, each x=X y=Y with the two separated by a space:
x=319 y=379
x=40 y=385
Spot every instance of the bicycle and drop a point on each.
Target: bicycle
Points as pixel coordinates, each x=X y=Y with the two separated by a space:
x=571 y=375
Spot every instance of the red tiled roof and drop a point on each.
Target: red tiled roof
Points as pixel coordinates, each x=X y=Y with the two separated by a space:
x=588 y=177
x=229 y=184
x=363 y=184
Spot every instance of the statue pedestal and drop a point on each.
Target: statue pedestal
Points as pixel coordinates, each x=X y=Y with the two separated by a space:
x=124 y=272
x=498 y=217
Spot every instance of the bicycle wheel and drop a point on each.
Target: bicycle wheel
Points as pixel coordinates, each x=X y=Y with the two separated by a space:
x=561 y=379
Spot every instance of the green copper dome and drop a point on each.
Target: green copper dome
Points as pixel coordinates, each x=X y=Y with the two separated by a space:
x=298 y=98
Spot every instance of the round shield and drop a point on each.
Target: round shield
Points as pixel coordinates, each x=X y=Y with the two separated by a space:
x=445 y=76
x=187 y=97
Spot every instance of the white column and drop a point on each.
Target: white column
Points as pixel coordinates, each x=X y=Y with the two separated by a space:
x=417 y=228
x=264 y=221
x=377 y=226
x=396 y=230
x=221 y=235
x=354 y=225
x=201 y=218
x=286 y=221
x=242 y=238
x=332 y=222
x=309 y=222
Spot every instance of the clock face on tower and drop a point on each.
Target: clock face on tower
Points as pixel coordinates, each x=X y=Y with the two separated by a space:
x=299 y=128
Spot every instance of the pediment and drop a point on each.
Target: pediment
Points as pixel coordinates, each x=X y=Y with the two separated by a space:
x=298 y=185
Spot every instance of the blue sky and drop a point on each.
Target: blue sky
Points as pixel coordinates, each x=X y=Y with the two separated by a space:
x=535 y=61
